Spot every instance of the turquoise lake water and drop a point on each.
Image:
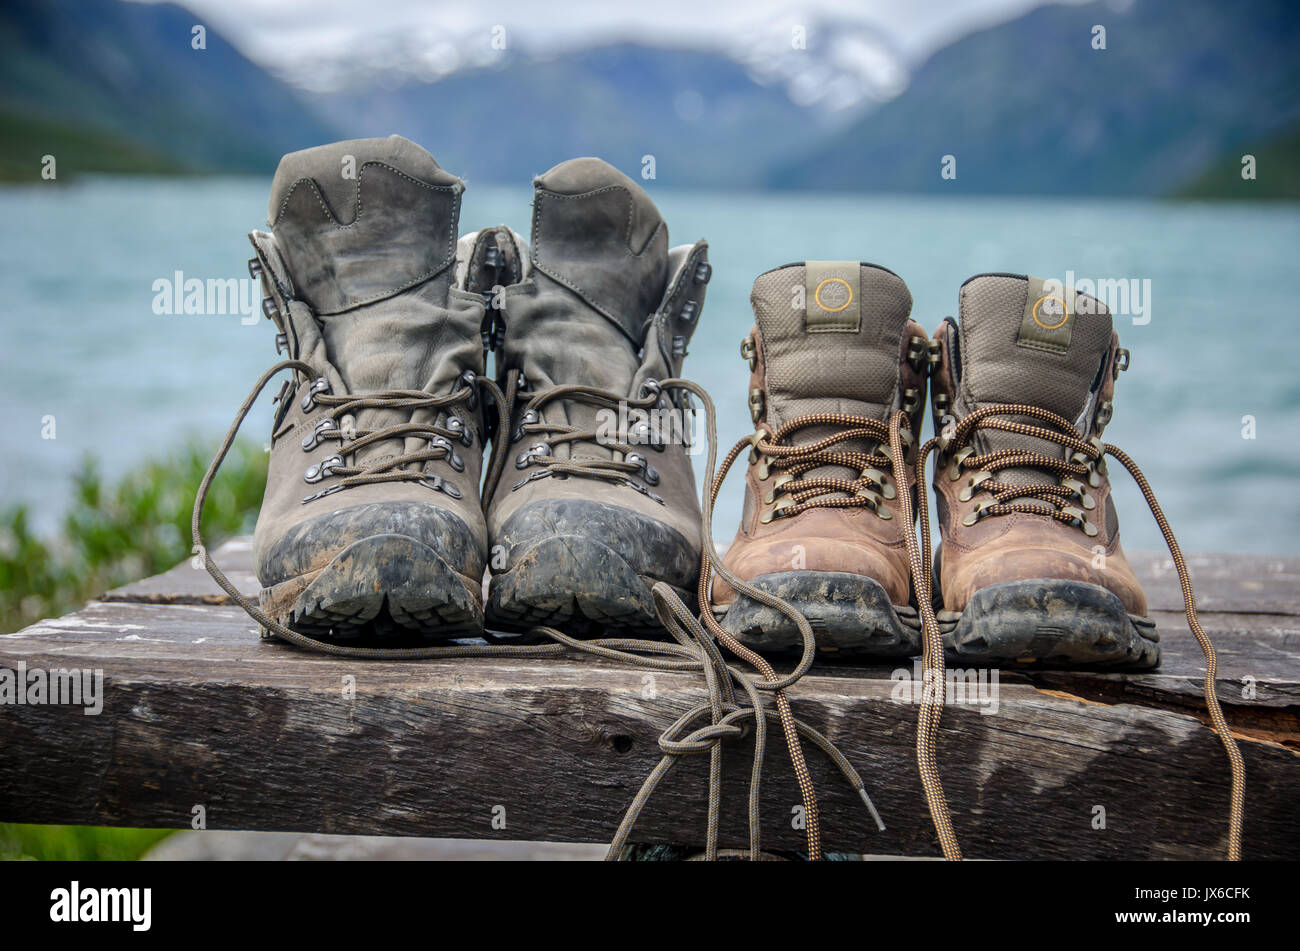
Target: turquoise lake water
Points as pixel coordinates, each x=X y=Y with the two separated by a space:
x=83 y=344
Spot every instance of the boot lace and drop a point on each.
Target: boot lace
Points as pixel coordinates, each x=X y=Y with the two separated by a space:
x=540 y=455
x=725 y=716
x=1075 y=474
x=401 y=467
x=793 y=492
x=1007 y=498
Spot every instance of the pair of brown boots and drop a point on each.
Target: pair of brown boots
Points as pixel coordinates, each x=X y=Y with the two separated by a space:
x=1029 y=569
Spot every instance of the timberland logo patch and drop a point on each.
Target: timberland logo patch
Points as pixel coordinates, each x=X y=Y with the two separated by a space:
x=1049 y=317
x=830 y=289
x=833 y=295
x=1053 y=308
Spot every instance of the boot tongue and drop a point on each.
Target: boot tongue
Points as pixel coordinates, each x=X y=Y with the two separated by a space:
x=600 y=259
x=832 y=337
x=361 y=220
x=1030 y=341
x=832 y=334
x=367 y=231
x=599 y=255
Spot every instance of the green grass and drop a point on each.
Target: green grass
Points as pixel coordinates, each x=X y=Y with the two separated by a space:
x=114 y=533
x=75 y=843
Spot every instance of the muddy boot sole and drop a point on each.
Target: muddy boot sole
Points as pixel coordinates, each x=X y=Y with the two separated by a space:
x=849 y=614
x=1049 y=623
x=576 y=584
x=382 y=589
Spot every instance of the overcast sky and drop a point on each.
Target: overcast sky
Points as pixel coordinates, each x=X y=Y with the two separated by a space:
x=266 y=29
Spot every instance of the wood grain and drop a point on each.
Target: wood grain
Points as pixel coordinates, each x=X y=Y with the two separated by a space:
x=200 y=711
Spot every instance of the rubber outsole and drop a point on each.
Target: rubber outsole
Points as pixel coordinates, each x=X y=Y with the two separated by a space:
x=850 y=614
x=1049 y=623
x=576 y=584
x=384 y=588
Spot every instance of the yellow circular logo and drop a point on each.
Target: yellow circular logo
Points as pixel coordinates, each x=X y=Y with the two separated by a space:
x=1057 y=309
x=833 y=294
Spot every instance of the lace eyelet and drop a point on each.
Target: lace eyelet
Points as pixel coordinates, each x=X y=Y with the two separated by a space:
x=530 y=418
x=779 y=510
x=779 y=481
x=975 y=482
x=323 y=469
x=457 y=426
x=470 y=379
x=954 y=468
x=453 y=460
x=978 y=512
x=319 y=386
x=1081 y=517
x=527 y=457
x=328 y=490
x=881 y=479
x=647 y=471
x=439 y=484
x=317 y=435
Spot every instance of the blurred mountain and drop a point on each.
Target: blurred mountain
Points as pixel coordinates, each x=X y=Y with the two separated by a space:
x=1181 y=90
x=704 y=116
x=110 y=86
x=1030 y=107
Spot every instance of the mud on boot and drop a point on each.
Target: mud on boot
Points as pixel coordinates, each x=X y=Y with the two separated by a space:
x=1030 y=570
x=371 y=526
x=832 y=356
x=594 y=500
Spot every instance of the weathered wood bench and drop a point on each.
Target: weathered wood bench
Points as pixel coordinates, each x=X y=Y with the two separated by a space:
x=203 y=718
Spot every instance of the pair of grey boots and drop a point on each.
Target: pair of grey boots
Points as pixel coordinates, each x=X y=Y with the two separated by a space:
x=384 y=510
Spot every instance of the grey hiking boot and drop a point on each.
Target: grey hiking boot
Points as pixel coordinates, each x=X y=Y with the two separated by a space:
x=371 y=524
x=595 y=501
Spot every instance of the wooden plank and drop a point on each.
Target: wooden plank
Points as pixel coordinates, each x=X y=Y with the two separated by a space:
x=1251 y=584
x=1259 y=651
x=200 y=712
x=1225 y=584
x=190 y=583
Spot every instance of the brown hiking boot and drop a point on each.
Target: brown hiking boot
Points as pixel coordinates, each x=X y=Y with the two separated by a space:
x=371 y=523
x=594 y=500
x=1030 y=568
x=821 y=527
